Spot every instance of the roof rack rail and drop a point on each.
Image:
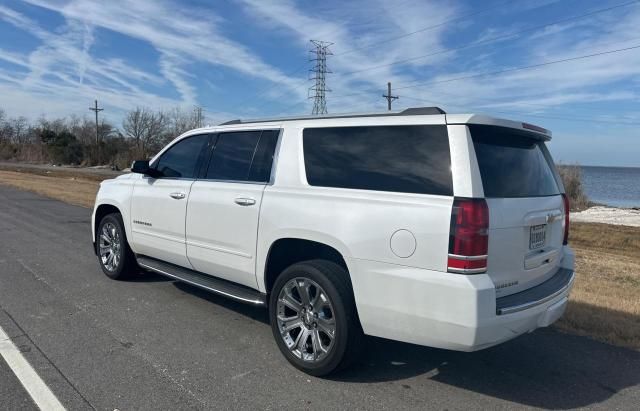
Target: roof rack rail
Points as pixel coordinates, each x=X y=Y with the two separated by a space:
x=414 y=111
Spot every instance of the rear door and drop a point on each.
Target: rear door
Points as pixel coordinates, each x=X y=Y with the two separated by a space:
x=224 y=206
x=526 y=211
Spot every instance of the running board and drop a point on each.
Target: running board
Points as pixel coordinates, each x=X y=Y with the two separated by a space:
x=204 y=281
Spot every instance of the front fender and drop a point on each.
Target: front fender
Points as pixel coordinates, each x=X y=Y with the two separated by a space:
x=116 y=193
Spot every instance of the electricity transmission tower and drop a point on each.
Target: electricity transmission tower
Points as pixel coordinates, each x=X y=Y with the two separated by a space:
x=197 y=110
x=320 y=71
x=97 y=110
x=389 y=97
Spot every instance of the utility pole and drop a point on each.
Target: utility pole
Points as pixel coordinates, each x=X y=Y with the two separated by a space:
x=97 y=110
x=320 y=89
x=389 y=97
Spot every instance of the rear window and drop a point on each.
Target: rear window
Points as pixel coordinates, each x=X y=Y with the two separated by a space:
x=407 y=159
x=512 y=164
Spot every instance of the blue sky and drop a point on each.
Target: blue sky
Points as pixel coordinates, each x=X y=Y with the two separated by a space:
x=248 y=58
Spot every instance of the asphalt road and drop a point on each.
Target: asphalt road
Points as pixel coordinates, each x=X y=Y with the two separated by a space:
x=157 y=344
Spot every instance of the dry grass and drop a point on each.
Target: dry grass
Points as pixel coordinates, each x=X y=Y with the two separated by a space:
x=64 y=172
x=73 y=190
x=572 y=181
x=604 y=304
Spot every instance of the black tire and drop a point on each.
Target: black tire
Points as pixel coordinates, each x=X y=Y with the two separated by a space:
x=126 y=262
x=334 y=281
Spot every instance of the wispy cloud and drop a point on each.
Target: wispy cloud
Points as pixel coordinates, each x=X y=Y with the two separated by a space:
x=191 y=47
x=64 y=60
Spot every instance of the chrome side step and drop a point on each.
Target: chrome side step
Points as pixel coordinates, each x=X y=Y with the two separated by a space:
x=204 y=281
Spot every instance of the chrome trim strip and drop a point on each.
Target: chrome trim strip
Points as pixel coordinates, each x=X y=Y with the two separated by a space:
x=531 y=304
x=156 y=235
x=468 y=257
x=219 y=249
x=157 y=270
x=467 y=270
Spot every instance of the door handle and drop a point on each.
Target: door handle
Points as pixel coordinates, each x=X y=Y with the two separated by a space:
x=177 y=196
x=245 y=201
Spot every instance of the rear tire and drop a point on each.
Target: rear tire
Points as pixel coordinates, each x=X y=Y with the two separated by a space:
x=114 y=255
x=323 y=335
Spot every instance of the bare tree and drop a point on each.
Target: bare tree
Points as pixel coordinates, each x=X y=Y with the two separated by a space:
x=20 y=128
x=155 y=133
x=83 y=128
x=4 y=127
x=146 y=128
x=135 y=125
x=180 y=121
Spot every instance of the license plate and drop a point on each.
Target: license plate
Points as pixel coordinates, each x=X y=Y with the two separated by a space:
x=537 y=236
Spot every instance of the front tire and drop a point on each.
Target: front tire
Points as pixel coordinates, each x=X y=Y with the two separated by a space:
x=313 y=317
x=114 y=255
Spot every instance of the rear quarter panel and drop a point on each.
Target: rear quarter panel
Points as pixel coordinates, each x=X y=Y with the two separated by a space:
x=357 y=223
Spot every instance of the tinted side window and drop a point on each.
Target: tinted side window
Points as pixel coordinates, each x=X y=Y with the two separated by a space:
x=408 y=159
x=232 y=155
x=263 y=158
x=180 y=159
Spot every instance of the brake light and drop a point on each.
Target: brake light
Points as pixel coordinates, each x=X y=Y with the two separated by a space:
x=565 y=201
x=468 y=236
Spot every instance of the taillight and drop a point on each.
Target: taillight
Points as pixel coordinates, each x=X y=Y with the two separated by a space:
x=468 y=236
x=565 y=201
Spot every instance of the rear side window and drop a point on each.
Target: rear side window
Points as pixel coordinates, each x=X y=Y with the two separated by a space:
x=263 y=158
x=512 y=164
x=243 y=156
x=407 y=159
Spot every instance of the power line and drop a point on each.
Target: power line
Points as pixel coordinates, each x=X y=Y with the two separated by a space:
x=401 y=36
x=510 y=112
x=376 y=19
x=497 y=38
x=493 y=39
x=267 y=89
x=283 y=92
x=502 y=71
x=547 y=63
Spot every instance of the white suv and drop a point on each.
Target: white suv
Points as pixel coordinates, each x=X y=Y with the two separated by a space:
x=442 y=230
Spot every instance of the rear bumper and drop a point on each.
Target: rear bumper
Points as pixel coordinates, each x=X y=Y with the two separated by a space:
x=452 y=311
x=547 y=291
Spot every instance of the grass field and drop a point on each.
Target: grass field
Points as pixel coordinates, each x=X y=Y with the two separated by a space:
x=604 y=304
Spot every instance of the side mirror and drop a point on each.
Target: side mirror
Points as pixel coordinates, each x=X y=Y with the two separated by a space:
x=142 y=167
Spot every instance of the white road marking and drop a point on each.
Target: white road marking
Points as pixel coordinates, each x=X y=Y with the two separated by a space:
x=37 y=389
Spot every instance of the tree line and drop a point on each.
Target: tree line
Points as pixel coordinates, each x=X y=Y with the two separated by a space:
x=72 y=140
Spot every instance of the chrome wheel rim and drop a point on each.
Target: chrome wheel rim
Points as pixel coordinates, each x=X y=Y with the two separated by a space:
x=110 y=244
x=305 y=318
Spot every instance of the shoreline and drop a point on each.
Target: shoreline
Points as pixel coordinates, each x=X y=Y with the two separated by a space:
x=608 y=215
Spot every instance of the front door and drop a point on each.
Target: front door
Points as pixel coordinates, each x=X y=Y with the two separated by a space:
x=159 y=205
x=224 y=207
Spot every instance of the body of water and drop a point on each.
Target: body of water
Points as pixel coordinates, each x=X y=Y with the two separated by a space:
x=612 y=186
